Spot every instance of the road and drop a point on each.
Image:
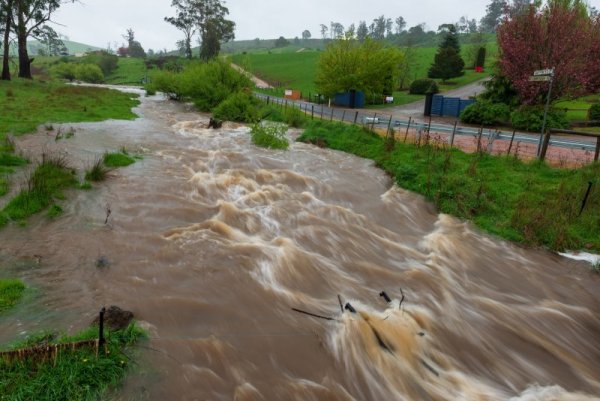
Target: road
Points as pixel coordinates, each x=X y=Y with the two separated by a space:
x=400 y=120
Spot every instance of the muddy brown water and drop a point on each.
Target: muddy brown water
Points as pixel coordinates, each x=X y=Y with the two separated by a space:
x=212 y=240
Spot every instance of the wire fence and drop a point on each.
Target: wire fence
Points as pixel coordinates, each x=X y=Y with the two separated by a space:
x=562 y=151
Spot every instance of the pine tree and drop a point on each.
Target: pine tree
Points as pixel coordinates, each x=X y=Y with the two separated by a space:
x=447 y=63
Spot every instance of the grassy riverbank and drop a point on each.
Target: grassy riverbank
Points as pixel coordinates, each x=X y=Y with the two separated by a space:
x=72 y=374
x=25 y=105
x=529 y=203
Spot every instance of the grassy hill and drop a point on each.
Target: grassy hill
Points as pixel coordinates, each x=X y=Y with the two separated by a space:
x=288 y=68
x=72 y=47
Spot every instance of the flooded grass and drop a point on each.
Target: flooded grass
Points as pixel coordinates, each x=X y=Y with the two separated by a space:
x=72 y=374
x=270 y=135
x=118 y=159
x=45 y=183
x=97 y=171
x=530 y=203
x=11 y=292
x=55 y=102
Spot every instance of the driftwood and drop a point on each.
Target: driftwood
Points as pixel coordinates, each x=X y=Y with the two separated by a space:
x=312 y=314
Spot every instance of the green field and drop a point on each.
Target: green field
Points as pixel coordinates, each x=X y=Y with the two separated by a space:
x=130 y=71
x=290 y=69
x=577 y=109
x=55 y=102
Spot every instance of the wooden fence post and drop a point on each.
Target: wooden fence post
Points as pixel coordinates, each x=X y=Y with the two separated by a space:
x=101 y=339
x=355 y=117
x=407 y=128
x=511 y=142
x=312 y=112
x=545 y=145
x=597 y=149
x=453 y=134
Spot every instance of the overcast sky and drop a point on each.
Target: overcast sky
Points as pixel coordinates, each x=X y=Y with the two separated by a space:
x=98 y=22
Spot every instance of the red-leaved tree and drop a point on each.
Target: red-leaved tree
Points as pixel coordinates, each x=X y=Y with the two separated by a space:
x=560 y=35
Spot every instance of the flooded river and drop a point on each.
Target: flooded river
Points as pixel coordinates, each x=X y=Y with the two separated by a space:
x=212 y=241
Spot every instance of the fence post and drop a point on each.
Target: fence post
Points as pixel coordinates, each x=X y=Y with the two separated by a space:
x=285 y=108
x=373 y=122
x=407 y=128
x=479 y=139
x=453 y=134
x=585 y=198
x=268 y=98
x=331 y=117
x=312 y=112
x=355 y=117
x=389 y=129
x=322 y=111
x=597 y=149
x=101 y=339
x=511 y=142
x=344 y=115
x=545 y=145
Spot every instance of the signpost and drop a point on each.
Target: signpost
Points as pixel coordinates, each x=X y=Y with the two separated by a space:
x=543 y=76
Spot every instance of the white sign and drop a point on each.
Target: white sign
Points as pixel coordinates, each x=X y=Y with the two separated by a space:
x=389 y=99
x=540 y=78
x=288 y=92
x=544 y=72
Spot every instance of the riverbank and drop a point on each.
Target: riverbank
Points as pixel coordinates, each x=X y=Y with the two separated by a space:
x=529 y=203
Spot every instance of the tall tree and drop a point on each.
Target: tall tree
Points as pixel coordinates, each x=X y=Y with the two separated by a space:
x=7 y=13
x=31 y=15
x=213 y=26
x=362 y=32
x=400 y=25
x=494 y=13
x=350 y=32
x=559 y=35
x=337 y=30
x=378 y=28
x=184 y=21
x=306 y=34
x=324 y=31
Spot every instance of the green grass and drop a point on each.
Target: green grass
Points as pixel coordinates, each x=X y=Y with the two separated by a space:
x=25 y=105
x=130 y=71
x=118 y=159
x=577 y=109
x=46 y=183
x=75 y=375
x=97 y=171
x=11 y=292
x=530 y=203
x=55 y=211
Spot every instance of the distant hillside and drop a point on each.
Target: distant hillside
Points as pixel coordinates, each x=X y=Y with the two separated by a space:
x=72 y=47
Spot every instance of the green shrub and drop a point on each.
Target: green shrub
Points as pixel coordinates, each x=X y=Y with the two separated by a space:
x=486 y=113
x=65 y=71
x=240 y=107
x=89 y=73
x=270 y=135
x=530 y=118
x=106 y=61
x=205 y=84
x=423 y=87
x=594 y=112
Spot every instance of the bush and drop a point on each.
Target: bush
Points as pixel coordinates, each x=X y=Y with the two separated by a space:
x=594 y=112
x=270 y=135
x=530 y=118
x=240 y=107
x=106 y=61
x=480 y=61
x=486 y=113
x=206 y=84
x=89 y=73
x=423 y=87
x=65 y=71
